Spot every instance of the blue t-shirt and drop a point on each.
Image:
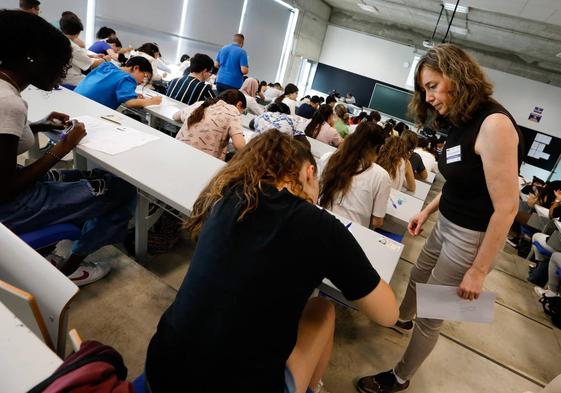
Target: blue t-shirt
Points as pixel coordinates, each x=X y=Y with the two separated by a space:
x=108 y=85
x=100 y=47
x=231 y=58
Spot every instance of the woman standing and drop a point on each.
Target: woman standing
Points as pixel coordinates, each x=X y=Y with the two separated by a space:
x=483 y=146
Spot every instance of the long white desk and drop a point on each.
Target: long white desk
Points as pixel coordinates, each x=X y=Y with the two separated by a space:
x=165 y=110
x=430 y=177
x=167 y=170
x=422 y=189
x=400 y=209
x=25 y=360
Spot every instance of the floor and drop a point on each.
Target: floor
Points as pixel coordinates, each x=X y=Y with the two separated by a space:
x=520 y=351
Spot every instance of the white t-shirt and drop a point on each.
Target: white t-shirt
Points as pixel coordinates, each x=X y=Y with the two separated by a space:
x=252 y=105
x=399 y=179
x=368 y=195
x=291 y=105
x=271 y=93
x=13 y=116
x=80 y=62
x=429 y=161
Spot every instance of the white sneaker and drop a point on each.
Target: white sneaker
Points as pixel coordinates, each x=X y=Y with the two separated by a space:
x=545 y=292
x=55 y=260
x=320 y=388
x=89 y=272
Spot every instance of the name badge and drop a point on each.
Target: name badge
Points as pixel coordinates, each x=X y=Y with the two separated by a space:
x=454 y=154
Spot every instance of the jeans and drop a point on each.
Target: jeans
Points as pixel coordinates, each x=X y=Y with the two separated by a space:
x=99 y=202
x=448 y=253
x=554 y=281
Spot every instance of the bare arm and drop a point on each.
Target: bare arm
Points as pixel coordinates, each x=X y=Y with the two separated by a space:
x=142 y=102
x=14 y=181
x=422 y=175
x=376 y=222
x=238 y=141
x=380 y=305
x=244 y=70
x=497 y=144
x=409 y=177
x=415 y=226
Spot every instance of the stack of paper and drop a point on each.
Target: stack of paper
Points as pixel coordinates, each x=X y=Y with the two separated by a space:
x=111 y=138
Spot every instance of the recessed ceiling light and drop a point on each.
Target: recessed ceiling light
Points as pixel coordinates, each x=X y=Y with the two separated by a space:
x=367 y=7
x=451 y=6
x=558 y=55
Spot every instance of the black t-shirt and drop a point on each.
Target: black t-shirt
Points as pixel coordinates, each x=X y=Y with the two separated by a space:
x=465 y=198
x=417 y=163
x=234 y=321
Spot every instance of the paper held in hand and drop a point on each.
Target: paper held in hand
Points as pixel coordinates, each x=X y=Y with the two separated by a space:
x=111 y=138
x=443 y=302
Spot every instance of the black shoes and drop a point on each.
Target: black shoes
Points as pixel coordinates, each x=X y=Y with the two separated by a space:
x=385 y=382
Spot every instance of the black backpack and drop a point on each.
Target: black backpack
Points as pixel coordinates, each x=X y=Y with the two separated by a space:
x=552 y=307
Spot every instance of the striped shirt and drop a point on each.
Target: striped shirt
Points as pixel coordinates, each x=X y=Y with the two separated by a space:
x=189 y=90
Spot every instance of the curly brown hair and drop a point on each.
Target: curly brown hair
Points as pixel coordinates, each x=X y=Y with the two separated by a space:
x=354 y=156
x=391 y=154
x=470 y=86
x=270 y=158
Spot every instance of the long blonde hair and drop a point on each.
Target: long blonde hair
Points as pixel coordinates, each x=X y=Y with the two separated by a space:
x=470 y=86
x=391 y=154
x=270 y=158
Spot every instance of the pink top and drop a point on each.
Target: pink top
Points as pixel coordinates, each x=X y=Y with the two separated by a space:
x=211 y=135
x=329 y=135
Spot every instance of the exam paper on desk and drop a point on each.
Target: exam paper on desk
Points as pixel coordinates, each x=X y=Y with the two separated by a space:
x=111 y=138
x=443 y=302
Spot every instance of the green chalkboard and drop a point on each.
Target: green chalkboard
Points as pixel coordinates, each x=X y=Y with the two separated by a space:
x=391 y=101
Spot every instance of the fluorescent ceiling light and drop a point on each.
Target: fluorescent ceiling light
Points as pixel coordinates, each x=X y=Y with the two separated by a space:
x=367 y=7
x=461 y=8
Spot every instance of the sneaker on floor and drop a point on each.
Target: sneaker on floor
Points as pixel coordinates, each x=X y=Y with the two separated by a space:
x=385 y=382
x=545 y=292
x=55 y=260
x=89 y=272
x=320 y=388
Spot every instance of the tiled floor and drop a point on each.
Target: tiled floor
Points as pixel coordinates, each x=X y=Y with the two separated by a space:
x=519 y=351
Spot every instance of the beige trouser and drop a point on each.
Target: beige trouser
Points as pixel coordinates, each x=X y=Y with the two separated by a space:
x=448 y=253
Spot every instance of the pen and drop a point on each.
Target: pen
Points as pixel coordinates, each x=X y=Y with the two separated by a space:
x=109 y=119
x=393 y=203
x=348 y=225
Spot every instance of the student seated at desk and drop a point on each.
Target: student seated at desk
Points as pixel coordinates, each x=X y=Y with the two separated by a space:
x=393 y=158
x=112 y=86
x=243 y=312
x=249 y=89
x=101 y=46
x=307 y=110
x=35 y=196
x=352 y=184
x=321 y=126
x=410 y=141
x=209 y=125
x=341 y=118
x=71 y=26
x=275 y=90
x=289 y=97
x=427 y=152
x=192 y=87
x=151 y=52
x=278 y=117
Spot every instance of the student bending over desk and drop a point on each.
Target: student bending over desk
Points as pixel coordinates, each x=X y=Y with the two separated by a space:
x=209 y=125
x=112 y=86
x=35 y=196
x=242 y=320
x=352 y=184
x=278 y=117
x=321 y=126
x=394 y=159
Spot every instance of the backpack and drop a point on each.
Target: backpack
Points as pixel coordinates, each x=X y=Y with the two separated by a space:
x=552 y=307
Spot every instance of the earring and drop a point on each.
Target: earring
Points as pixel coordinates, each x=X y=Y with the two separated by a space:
x=29 y=59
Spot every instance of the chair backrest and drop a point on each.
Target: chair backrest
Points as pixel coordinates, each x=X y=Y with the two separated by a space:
x=24 y=268
x=24 y=306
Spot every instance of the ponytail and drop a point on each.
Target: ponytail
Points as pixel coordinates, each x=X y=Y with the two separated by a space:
x=231 y=96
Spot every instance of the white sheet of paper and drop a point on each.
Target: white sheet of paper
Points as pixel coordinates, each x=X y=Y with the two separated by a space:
x=111 y=138
x=443 y=302
x=543 y=138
